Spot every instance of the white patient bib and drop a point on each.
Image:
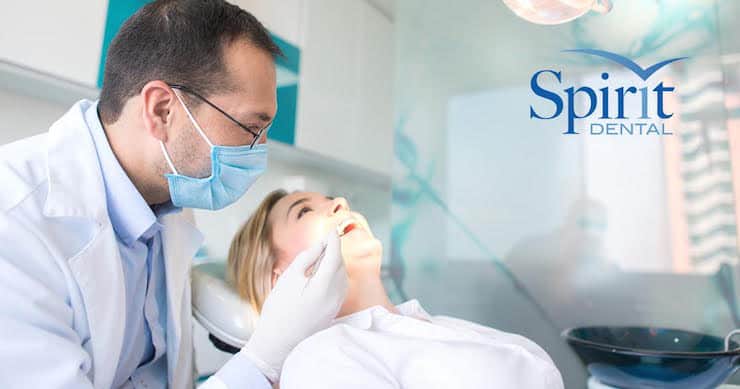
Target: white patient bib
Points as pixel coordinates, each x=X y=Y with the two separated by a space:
x=377 y=349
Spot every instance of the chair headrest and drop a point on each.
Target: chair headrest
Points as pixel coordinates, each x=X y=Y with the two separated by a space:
x=218 y=307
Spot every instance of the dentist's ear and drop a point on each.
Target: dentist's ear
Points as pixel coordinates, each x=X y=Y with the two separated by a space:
x=157 y=100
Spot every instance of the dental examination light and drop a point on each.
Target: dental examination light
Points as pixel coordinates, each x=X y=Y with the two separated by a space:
x=556 y=11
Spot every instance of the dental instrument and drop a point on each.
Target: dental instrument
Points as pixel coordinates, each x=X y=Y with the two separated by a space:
x=342 y=229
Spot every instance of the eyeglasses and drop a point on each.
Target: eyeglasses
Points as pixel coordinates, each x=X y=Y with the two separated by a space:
x=257 y=135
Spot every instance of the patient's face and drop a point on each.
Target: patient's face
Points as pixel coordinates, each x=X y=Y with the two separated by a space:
x=301 y=219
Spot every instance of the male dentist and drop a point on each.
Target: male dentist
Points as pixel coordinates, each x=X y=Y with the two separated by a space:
x=94 y=251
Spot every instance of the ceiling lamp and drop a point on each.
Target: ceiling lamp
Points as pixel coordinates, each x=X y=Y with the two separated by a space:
x=556 y=11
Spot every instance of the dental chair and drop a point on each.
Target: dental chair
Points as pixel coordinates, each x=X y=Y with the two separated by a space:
x=228 y=319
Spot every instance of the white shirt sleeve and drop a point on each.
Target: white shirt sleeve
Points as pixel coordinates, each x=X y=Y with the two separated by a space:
x=238 y=373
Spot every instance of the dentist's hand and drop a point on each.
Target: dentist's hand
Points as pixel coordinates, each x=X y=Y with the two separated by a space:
x=291 y=314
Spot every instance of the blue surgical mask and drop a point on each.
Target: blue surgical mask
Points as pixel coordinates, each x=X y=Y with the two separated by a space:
x=233 y=170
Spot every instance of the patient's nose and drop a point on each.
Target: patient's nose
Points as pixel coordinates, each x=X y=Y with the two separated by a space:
x=339 y=204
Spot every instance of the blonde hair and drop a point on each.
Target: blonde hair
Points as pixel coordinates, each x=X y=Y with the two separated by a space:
x=251 y=255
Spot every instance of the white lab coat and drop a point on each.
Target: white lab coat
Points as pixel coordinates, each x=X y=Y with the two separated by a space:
x=62 y=290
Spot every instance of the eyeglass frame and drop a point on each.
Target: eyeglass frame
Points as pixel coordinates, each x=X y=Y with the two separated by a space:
x=256 y=135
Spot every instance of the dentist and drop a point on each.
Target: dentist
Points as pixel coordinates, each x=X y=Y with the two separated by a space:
x=94 y=251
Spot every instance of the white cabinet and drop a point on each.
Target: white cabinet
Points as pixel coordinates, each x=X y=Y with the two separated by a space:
x=62 y=38
x=345 y=99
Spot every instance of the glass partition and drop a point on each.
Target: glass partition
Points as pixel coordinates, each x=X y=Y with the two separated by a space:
x=518 y=223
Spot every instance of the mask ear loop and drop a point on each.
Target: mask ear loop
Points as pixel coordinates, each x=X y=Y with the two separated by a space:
x=192 y=119
x=167 y=157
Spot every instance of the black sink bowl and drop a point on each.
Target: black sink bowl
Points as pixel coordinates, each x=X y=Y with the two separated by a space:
x=646 y=357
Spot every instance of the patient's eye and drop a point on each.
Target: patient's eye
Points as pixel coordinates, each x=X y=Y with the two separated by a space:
x=303 y=211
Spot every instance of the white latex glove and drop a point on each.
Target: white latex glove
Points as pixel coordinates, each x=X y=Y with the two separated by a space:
x=291 y=313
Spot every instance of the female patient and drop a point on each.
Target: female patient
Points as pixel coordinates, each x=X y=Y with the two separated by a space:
x=372 y=343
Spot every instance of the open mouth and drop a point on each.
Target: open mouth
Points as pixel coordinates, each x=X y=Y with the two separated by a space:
x=346 y=226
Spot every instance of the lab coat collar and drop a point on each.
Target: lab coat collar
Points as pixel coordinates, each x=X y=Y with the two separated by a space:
x=365 y=319
x=129 y=213
x=76 y=186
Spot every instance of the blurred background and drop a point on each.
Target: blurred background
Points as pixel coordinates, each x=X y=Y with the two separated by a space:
x=417 y=111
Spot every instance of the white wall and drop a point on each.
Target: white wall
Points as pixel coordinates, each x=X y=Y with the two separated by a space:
x=23 y=116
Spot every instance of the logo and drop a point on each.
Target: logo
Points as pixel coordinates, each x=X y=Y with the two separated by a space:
x=608 y=120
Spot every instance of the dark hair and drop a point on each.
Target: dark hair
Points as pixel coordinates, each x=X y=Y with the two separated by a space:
x=179 y=42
